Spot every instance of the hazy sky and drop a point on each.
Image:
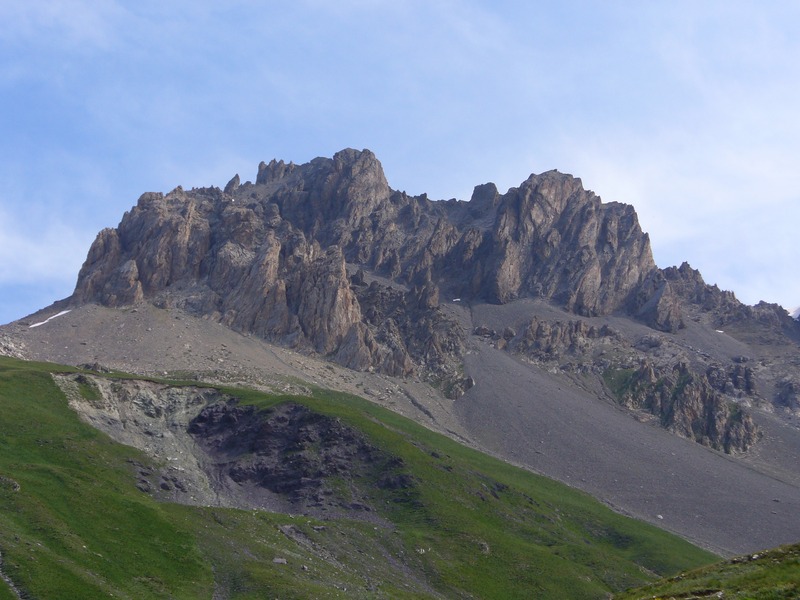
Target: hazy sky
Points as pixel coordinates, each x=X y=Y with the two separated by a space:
x=688 y=110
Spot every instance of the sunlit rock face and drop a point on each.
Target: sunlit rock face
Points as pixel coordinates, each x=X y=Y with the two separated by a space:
x=327 y=258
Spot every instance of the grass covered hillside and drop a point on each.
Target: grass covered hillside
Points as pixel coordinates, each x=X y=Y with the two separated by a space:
x=425 y=516
x=769 y=575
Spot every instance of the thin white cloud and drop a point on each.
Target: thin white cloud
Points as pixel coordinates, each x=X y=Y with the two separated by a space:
x=60 y=22
x=35 y=252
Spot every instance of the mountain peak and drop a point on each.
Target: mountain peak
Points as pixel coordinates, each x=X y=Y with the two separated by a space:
x=531 y=304
x=547 y=238
x=275 y=258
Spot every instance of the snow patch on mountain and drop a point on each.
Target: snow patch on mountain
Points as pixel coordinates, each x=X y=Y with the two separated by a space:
x=63 y=312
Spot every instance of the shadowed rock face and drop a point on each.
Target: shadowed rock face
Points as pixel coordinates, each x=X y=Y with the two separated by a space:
x=294 y=454
x=212 y=451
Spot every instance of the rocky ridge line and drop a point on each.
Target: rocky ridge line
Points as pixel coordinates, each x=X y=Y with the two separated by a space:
x=271 y=258
x=326 y=258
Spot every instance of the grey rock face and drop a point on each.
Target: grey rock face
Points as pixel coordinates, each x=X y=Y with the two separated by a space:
x=9 y=347
x=232 y=185
x=688 y=404
x=290 y=456
x=553 y=239
x=549 y=340
x=271 y=259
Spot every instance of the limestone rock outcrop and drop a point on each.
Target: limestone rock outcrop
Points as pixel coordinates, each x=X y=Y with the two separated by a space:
x=550 y=340
x=688 y=404
x=291 y=458
x=326 y=258
x=270 y=257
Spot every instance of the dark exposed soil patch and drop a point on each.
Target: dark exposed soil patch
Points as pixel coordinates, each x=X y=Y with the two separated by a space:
x=300 y=460
x=210 y=450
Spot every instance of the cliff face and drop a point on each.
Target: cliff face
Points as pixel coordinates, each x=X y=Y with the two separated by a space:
x=551 y=238
x=271 y=258
x=688 y=403
x=325 y=257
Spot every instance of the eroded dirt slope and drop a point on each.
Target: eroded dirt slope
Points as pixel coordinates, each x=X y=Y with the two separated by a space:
x=212 y=451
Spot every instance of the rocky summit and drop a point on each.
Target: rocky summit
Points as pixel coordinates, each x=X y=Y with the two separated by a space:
x=533 y=324
x=326 y=258
x=247 y=251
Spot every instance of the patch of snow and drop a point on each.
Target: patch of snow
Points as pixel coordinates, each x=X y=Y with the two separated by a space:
x=719 y=331
x=63 y=312
x=456 y=299
x=795 y=313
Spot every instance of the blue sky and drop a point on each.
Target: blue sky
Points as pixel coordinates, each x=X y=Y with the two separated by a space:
x=687 y=110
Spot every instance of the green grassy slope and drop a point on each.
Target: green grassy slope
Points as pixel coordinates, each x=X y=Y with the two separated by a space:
x=73 y=524
x=769 y=575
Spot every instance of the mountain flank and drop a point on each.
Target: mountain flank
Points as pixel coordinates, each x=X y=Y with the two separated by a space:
x=760 y=575
x=325 y=257
x=533 y=324
x=317 y=496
